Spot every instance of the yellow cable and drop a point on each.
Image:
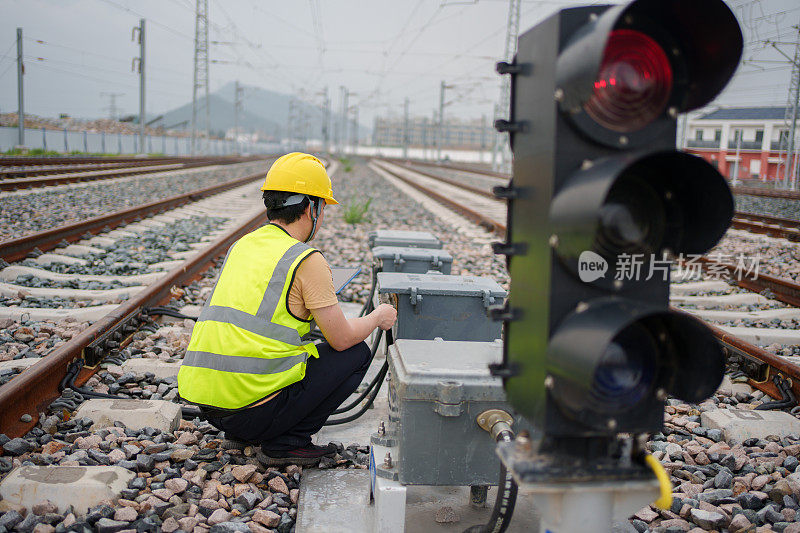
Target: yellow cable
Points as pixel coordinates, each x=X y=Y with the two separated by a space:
x=665 y=500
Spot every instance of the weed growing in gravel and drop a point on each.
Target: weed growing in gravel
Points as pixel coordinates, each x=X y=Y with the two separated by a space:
x=356 y=211
x=347 y=165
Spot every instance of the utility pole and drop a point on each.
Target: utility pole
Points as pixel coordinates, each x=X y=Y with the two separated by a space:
x=237 y=107
x=502 y=107
x=20 y=98
x=434 y=133
x=441 y=119
x=790 y=117
x=141 y=63
x=200 y=67
x=112 y=104
x=738 y=134
x=343 y=128
x=326 y=118
x=355 y=129
x=405 y=129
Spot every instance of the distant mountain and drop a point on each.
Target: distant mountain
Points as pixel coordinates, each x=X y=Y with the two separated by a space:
x=262 y=111
x=221 y=117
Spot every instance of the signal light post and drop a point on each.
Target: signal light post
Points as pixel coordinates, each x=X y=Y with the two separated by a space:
x=600 y=203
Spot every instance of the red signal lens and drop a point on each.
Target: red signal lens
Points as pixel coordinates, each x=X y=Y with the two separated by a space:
x=633 y=84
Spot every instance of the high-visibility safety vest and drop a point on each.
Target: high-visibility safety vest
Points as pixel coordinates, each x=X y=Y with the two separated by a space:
x=246 y=343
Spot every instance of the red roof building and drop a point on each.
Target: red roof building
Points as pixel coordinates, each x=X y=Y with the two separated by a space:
x=742 y=142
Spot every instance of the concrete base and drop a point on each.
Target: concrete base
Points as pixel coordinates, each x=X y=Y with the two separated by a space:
x=10 y=273
x=135 y=414
x=334 y=501
x=738 y=425
x=50 y=258
x=715 y=302
x=19 y=364
x=82 y=487
x=764 y=336
x=699 y=286
x=81 y=314
x=11 y=290
x=716 y=315
x=337 y=501
x=78 y=250
x=161 y=369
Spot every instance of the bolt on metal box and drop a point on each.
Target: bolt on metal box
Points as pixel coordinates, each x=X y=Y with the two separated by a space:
x=453 y=308
x=436 y=392
x=412 y=260
x=406 y=239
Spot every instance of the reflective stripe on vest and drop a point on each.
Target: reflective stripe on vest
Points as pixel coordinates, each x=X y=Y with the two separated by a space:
x=246 y=344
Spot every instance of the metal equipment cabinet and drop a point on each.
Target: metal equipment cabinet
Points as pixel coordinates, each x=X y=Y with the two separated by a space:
x=438 y=305
x=436 y=392
x=412 y=260
x=407 y=239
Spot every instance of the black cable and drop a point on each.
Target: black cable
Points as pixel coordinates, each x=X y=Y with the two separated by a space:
x=74 y=368
x=505 y=502
x=166 y=311
x=368 y=304
x=375 y=344
x=788 y=399
x=380 y=377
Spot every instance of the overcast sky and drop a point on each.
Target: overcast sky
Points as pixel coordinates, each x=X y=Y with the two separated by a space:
x=382 y=50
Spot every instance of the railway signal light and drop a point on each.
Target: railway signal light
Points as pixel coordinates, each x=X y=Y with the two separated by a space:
x=599 y=203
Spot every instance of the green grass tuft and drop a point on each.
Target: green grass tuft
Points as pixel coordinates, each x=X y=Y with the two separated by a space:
x=356 y=211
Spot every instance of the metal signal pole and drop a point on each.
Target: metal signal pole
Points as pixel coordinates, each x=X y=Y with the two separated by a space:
x=200 y=68
x=502 y=108
x=405 y=129
x=141 y=64
x=20 y=97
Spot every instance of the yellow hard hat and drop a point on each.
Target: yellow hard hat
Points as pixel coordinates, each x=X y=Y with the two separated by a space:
x=300 y=173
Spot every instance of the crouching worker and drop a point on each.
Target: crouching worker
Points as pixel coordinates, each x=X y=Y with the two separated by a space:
x=249 y=365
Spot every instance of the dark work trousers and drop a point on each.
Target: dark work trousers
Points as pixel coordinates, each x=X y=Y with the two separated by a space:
x=299 y=410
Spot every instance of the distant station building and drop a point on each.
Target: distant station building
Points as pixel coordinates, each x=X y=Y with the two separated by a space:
x=741 y=141
x=475 y=134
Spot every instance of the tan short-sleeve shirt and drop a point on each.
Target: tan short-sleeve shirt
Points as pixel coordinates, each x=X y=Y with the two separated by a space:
x=312 y=287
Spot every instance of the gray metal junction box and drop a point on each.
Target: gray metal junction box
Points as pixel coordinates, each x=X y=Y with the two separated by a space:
x=438 y=305
x=412 y=260
x=406 y=239
x=436 y=392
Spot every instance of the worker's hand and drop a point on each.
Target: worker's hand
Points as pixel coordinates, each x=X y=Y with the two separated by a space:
x=387 y=316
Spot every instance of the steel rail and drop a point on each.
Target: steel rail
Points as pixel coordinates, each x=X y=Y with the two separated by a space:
x=21 y=161
x=452 y=181
x=768 y=193
x=103 y=173
x=774 y=364
x=33 y=390
x=19 y=248
x=784 y=228
x=479 y=218
x=463 y=168
x=784 y=290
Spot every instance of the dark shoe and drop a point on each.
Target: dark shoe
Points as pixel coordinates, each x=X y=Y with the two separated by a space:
x=233 y=444
x=305 y=456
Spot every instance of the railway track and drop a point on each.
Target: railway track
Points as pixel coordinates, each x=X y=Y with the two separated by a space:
x=741 y=343
x=115 y=306
x=15 y=179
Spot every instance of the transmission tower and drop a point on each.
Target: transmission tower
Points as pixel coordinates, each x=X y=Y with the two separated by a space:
x=788 y=143
x=112 y=104
x=512 y=32
x=200 y=70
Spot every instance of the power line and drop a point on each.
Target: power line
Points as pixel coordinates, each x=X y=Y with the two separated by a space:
x=131 y=11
